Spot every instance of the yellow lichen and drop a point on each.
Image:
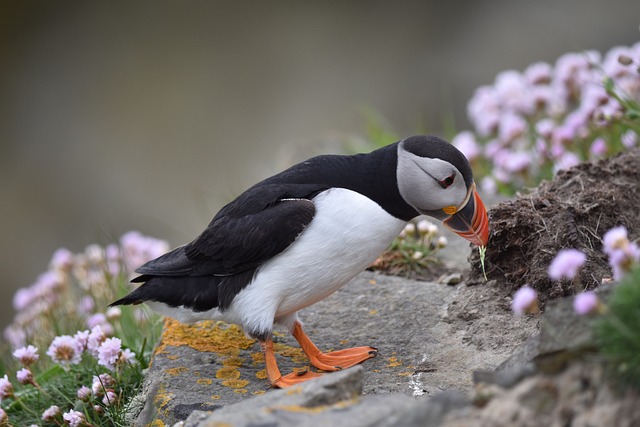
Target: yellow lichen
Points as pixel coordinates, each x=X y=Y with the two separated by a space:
x=204 y=381
x=235 y=383
x=228 y=373
x=261 y=375
x=156 y=423
x=241 y=391
x=344 y=342
x=373 y=312
x=257 y=392
x=215 y=397
x=405 y=374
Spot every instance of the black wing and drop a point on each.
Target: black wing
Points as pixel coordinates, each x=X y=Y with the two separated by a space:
x=212 y=269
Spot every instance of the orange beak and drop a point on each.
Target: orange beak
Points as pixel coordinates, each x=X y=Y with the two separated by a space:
x=470 y=219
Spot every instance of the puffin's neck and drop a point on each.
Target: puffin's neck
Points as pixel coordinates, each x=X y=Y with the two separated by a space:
x=373 y=175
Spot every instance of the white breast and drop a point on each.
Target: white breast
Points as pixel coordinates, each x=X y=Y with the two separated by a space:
x=346 y=235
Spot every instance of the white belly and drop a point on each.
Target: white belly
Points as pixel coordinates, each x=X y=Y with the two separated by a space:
x=346 y=235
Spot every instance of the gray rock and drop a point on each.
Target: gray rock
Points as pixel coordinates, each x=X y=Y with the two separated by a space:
x=427 y=335
x=331 y=400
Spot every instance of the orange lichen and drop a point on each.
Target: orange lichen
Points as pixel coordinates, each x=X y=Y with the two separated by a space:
x=162 y=399
x=228 y=373
x=258 y=357
x=393 y=362
x=176 y=371
x=233 y=361
x=217 y=337
x=234 y=383
x=295 y=353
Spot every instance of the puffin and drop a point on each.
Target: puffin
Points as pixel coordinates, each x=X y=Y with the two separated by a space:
x=297 y=237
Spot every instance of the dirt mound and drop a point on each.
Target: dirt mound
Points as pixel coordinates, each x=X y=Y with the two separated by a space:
x=572 y=211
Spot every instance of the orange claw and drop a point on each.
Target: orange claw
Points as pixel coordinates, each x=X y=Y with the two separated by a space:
x=335 y=360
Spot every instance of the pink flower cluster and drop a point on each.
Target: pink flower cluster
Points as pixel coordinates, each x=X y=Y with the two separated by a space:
x=92 y=274
x=550 y=117
x=623 y=256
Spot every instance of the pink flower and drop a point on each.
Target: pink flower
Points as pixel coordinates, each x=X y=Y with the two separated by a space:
x=96 y=337
x=74 y=418
x=101 y=383
x=622 y=253
x=615 y=239
x=110 y=397
x=26 y=355
x=567 y=160
x=566 y=264
x=84 y=393
x=50 y=413
x=62 y=259
x=525 y=301
x=109 y=352
x=64 y=351
x=585 y=303
x=24 y=376
x=538 y=73
x=6 y=388
x=4 y=419
x=598 y=147
x=629 y=139
x=466 y=142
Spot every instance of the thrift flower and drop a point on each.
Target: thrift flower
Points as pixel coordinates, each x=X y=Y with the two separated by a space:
x=74 y=418
x=101 y=383
x=26 y=355
x=6 y=388
x=566 y=264
x=62 y=260
x=109 y=398
x=64 y=351
x=25 y=376
x=109 y=352
x=3 y=417
x=50 y=413
x=84 y=393
x=525 y=301
x=96 y=337
x=586 y=303
x=622 y=253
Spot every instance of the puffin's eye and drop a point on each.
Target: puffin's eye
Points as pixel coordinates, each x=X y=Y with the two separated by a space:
x=445 y=183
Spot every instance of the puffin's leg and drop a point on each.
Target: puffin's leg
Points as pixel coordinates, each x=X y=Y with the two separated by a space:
x=335 y=360
x=273 y=373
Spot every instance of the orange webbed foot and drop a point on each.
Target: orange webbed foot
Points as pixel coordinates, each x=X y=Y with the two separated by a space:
x=335 y=360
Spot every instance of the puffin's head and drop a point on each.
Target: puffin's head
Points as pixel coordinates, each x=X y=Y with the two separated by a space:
x=436 y=180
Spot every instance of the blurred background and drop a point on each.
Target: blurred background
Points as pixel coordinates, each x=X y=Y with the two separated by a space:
x=151 y=115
